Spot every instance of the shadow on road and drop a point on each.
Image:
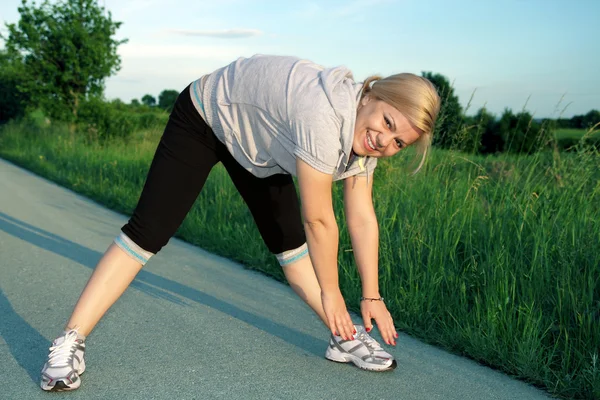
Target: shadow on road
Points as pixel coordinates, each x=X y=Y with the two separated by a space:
x=29 y=348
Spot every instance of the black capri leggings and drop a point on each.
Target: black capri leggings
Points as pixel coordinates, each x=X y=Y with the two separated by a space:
x=185 y=155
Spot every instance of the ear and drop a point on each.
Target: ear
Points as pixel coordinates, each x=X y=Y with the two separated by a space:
x=365 y=100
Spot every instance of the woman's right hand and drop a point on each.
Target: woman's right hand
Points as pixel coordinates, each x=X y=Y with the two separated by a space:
x=340 y=322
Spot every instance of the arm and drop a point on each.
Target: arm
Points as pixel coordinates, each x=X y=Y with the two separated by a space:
x=322 y=238
x=364 y=234
x=364 y=231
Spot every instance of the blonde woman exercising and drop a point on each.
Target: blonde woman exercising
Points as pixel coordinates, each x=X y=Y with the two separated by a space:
x=268 y=118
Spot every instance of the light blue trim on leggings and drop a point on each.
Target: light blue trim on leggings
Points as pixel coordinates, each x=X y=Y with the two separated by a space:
x=293 y=255
x=295 y=258
x=119 y=241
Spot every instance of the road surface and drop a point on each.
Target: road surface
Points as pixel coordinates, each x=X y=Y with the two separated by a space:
x=191 y=326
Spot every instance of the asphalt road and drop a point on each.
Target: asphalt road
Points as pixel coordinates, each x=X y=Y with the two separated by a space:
x=191 y=326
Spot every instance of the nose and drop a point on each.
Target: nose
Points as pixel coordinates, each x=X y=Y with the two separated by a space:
x=383 y=139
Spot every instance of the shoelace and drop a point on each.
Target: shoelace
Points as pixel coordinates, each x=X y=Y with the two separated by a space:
x=60 y=355
x=369 y=341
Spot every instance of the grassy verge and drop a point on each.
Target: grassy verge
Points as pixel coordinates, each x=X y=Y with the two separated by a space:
x=495 y=258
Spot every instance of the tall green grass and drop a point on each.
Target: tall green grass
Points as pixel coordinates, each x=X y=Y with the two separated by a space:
x=496 y=258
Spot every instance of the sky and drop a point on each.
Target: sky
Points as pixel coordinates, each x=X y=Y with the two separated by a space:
x=538 y=55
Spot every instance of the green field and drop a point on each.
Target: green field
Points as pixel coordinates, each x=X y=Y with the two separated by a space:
x=496 y=257
x=565 y=133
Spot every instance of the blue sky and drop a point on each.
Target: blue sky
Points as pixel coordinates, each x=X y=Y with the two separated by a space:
x=499 y=52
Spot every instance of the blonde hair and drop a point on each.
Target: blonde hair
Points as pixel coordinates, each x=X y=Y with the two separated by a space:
x=415 y=97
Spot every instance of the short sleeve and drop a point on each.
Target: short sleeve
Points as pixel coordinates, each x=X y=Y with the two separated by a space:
x=317 y=140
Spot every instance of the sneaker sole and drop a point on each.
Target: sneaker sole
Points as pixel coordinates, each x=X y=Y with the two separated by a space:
x=61 y=386
x=349 y=358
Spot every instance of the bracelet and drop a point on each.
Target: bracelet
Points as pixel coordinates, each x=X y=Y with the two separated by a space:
x=372 y=298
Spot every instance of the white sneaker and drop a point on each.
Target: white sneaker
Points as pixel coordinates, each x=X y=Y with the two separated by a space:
x=65 y=363
x=363 y=351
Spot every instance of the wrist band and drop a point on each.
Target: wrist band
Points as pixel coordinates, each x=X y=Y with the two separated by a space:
x=372 y=298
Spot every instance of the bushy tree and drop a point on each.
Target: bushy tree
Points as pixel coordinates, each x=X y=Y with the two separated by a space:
x=449 y=125
x=491 y=140
x=166 y=99
x=577 y=122
x=13 y=101
x=149 y=100
x=101 y=120
x=520 y=132
x=67 y=49
x=590 y=119
x=580 y=121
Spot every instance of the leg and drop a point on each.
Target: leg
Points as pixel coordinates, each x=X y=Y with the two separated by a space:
x=112 y=275
x=181 y=164
x=274 y=205
x=302 y=278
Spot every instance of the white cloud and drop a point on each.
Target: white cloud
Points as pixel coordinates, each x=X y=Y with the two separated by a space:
x=225 y=33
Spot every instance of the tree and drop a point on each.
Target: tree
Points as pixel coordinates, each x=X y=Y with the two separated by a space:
x=166 y=99
x=520 y=132
x=135 y=103
x=577 y=122
x=12 y=100
x=590 y=119
x=449 y=124
x=492 y=140
x=149 y=100
x=67 y=49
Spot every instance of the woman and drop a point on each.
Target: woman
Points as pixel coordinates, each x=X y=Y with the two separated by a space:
x=267 y=118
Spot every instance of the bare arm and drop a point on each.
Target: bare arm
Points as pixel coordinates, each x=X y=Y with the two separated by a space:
x=364 y=234
x=364 y=231
x=319 y=223
x=322 y=238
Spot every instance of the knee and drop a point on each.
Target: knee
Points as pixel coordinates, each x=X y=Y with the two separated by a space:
x=132 y=248
x=290 y=256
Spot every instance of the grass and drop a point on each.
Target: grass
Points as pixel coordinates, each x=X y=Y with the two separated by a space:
x=495 y=258
x=567 y=133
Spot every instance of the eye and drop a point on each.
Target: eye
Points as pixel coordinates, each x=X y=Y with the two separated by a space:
x=399 y=143
x=387 y=122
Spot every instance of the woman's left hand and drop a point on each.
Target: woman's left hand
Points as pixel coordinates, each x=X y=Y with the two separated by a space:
x=378 y=311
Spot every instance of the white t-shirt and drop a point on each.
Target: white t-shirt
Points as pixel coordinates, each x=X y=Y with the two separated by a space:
x=269 y=110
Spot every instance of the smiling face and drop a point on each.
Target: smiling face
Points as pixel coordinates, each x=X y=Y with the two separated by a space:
x=381 y=130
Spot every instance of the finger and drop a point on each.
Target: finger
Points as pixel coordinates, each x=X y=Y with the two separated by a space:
x=332 y=327
x=384 y=329
x=391 y=334
x=346 y=325
x=350 y=324
x=367 y=321
x=394 y=330
x=384 y=325
x=339 y=326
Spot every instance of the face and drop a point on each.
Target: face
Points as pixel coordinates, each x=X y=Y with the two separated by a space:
x=381 y=130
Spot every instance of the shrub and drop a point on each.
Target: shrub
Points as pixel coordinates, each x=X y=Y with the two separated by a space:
x=101 y=120
x=449 y=124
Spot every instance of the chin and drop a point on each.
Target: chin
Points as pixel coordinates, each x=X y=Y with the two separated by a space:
x=360 y=151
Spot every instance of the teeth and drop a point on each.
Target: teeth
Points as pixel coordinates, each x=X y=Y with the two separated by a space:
x=370 y=142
